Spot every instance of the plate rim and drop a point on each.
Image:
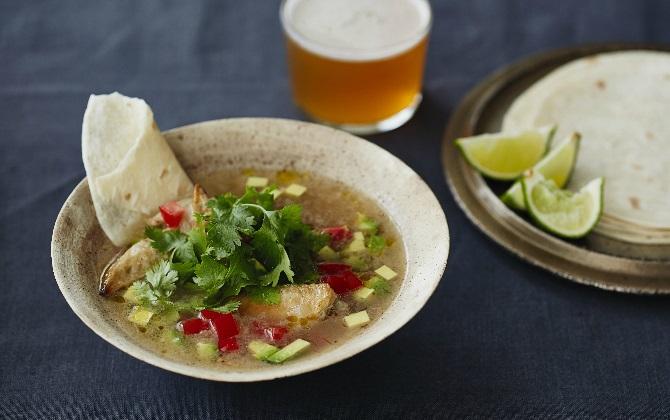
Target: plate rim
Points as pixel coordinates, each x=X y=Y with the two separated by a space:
x=460 y=179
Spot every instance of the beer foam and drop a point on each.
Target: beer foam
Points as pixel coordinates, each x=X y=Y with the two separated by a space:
x=356 y=30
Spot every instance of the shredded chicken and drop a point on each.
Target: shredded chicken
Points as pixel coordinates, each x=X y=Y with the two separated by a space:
x=129 y=267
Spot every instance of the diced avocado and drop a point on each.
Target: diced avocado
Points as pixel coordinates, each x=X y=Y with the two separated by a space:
x=357 y=319
x=290 y=351
x=386 y=272
x=379 y=284
x=357 y=262
x=261 y=350
x=357 y=244
x=207 y=350
x=168 y=317
x=257 y=182
x=376 y=244
x=173 y=336
x=140 y=316
x=131 y=297
x=366 y=224
x=328 y=254
x=296 y=190
x=363 y=293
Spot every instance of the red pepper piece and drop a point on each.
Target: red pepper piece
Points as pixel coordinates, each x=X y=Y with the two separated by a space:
x=172 y=214
x=275 y=333
x=333 y=268
x=272 y=333
x=338 y=234
x=228 y=344
x=224 y=325
x=193 y=326
x=342 y=283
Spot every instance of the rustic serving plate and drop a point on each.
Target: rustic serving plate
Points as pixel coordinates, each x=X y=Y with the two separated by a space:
x=584 y=261
x=80 y=249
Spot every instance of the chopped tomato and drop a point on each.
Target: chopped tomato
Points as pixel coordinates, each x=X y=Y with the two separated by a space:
x=342 y=283
x=228 y=344
x=172 y=214
x=224 y=325
x=338 y=234
x=193 y=326
x=333 y=268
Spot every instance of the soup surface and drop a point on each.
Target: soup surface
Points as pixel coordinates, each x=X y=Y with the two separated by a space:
x=352 y=288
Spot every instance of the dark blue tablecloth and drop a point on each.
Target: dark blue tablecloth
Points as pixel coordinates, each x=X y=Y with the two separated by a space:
x=499 y=338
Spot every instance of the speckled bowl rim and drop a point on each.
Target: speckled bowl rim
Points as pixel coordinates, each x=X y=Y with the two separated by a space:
x=385 y=326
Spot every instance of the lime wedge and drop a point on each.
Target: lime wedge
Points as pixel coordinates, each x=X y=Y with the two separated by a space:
x=562 y=212
x=557 y=165
x=505 y=156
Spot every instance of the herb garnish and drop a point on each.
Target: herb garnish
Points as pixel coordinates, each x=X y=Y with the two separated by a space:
x=240 y=242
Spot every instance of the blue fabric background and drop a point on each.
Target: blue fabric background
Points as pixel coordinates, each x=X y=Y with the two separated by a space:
x=499 y=338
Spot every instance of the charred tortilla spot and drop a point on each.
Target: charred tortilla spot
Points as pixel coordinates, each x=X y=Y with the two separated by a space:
x=127 y=196
x=163 y=173
x=649 y=135
x=634 y=202
x=600 y=84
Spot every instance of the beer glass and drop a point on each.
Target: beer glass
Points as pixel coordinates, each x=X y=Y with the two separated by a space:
x=357 y=64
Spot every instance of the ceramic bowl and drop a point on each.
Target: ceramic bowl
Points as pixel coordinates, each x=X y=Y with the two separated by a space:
x=80 y=249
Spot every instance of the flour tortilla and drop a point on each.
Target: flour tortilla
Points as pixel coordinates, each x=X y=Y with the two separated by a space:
x=620 y=103
x=131 y=169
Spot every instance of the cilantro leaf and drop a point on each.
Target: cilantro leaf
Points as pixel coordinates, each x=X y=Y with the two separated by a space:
x=169 y=240
x=271 y=254
x=210 y=274
x=222 y=240
x=230 y=306
x=264 y=295
x=157 y=286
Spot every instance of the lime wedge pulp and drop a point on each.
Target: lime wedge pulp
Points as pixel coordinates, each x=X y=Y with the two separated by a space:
x=505 y=156
x=557 y=165
x=562 y=212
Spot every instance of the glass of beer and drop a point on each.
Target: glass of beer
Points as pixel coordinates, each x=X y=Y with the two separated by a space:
x=357 y=64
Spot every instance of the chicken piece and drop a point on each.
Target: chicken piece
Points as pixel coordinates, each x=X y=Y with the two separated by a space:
x=132 y=264
x=299 y=303
x=129 y=267
x=199 y=202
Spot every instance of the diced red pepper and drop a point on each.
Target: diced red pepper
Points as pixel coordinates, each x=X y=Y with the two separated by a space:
x=338 y=234
x=342 y=283
x=224 y=325
x=272 y=333
x=228 y=344
x=275 y=333
x=193 y=326
x=172 y=214
x=333 y=268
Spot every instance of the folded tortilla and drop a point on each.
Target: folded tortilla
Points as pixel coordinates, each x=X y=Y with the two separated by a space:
x=131 y=169
x=619 y=102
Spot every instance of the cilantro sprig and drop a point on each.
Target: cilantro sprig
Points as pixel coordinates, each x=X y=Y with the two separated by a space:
x=240 y=244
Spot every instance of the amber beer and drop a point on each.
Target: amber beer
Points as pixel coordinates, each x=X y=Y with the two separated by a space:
x=357 y=64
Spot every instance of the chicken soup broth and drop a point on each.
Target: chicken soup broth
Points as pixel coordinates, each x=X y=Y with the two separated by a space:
x=345 y=259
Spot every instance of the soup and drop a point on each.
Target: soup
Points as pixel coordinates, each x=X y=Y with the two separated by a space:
x=337 y=288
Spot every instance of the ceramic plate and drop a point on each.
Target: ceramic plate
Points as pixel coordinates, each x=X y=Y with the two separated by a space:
x=582 y=261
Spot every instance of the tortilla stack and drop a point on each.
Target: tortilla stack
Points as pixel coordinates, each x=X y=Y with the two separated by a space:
x=620 y=103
